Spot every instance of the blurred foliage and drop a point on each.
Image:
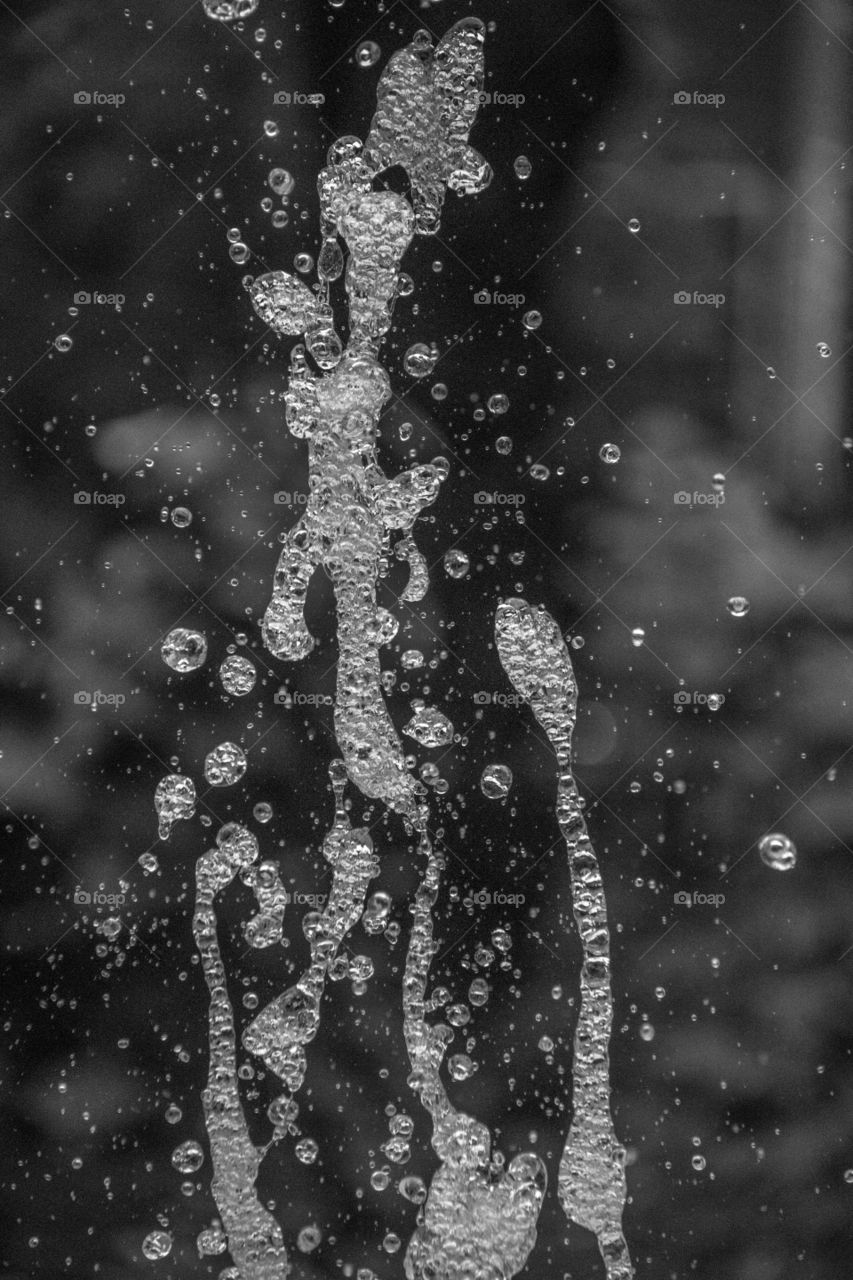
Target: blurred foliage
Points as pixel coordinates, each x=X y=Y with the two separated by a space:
x=732 y=1036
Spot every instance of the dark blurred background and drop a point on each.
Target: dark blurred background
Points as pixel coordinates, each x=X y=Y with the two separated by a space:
x=732 y=1034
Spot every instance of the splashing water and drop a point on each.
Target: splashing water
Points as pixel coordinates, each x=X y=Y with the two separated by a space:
x=478 y=1220
x=426 y=103
x=591 y=1183
x=279 y=1033
x=478 y=1217
x=254 y=1236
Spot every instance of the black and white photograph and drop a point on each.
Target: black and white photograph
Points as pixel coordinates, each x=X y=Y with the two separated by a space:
x=426 y=749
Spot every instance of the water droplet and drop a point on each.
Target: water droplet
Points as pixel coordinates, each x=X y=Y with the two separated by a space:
x=229 y=10
x=238 y=675
x=281 y=181
x=456 y=564
x=498 y=403
x=174 y=800
x=184 y=650
x=429 y=727
x=523 y=168
x=224 y=765
x=778 y=851
x=633 y=225
x=824 y=351
x=420 y=360
x=496 y=781
x=638 y=635
x=63 y=342
x=610 y=453
x=460 y=1066
x=309 y=1238
x=532 y=319
x=188 y=1157
x=157 y=1244
x=738 y=606
x=181 y=517
x=367 y=53
x=306 y=1150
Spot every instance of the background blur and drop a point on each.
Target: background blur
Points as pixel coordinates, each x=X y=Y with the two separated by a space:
x=673 y=149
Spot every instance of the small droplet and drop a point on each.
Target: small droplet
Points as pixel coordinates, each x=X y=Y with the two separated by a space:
x=157 y=1244
x=456 y=564
x=63 y=342
x=523 y=168
x=181 y=517
x=306 y=1150
x=498 y=403
x=224 y=765
x=367 y=53
x=638 y=635
x=633 y=225
x=532 y=319
x=824 y=351
x=738 y=606
x=238 y=675
x=188 y=1157
x=281 y=181
x=610 y=453
x=778 y=851
x=184 y=650
x=420 y=360
x=496 y=781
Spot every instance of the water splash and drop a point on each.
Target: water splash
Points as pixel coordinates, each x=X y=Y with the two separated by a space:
x=479 y=1216
x=479 y=1219
x=254 y=1236
x=591 y=1182
x=427 y=100
x=279 y=1033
